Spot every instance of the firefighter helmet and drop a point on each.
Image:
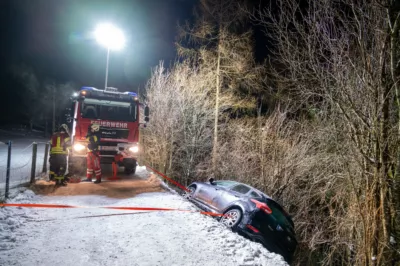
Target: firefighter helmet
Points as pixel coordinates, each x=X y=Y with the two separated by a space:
x=95 y=127
x=63 y=128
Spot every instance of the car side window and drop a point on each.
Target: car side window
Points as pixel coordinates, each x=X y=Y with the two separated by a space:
x=224 y=183
x=241 y=189
x=254 y=194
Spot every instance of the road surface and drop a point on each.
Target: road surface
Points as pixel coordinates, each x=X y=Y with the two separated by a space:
x=96 y=236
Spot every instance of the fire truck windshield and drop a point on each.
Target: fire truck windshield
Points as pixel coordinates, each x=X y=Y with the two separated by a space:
x=108 y=110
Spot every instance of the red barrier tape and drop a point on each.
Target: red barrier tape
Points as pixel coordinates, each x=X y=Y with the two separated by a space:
x=169 y=179
x=34 y=205
x=144 y=209
x=93 y=216
x=182 y=187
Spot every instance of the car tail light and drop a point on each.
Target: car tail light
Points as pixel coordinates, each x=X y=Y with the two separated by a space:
x=262 y=206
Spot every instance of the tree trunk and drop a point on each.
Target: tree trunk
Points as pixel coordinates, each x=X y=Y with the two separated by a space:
x=171 y=153
x=216 y=111
x=393 y=190
x=262 y=148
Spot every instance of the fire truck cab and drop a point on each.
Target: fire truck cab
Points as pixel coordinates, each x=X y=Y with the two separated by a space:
x=117 y=113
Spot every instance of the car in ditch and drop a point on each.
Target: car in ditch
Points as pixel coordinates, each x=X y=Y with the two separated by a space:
x=249 y=212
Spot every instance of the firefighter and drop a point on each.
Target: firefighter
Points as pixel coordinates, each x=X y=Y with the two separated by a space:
x=93 y=155
x=60 y=142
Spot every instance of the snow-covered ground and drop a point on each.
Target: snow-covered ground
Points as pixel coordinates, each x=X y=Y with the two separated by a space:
x=21 y=157
x=21 y=151
x=94 y=236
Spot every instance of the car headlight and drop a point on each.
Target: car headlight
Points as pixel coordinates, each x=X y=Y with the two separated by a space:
x=79 y=147
x=134 y=149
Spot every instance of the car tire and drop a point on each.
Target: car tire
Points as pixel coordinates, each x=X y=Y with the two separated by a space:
x=232 y=218
x=188 y=194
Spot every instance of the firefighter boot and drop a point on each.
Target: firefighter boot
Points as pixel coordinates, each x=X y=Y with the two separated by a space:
x=67 y=177
x=51 y=177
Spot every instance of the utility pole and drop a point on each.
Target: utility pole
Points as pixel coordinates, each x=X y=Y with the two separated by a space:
x=216 y=111
x=108 y=58
x=54 y=109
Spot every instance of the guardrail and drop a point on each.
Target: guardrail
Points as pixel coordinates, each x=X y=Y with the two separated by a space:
x=21 y=166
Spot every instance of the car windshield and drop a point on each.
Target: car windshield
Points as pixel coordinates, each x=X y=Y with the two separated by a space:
x=108 y=110
x=279 y=214
x=225 y=183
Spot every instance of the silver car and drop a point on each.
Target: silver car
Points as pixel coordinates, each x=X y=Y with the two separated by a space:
x=249 y=212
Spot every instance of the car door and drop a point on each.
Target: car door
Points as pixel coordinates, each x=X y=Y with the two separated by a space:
x=206 y=193
x=227 y=197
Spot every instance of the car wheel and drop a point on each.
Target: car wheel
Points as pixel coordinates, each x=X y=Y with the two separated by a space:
x=189 y=194
x=232 y=218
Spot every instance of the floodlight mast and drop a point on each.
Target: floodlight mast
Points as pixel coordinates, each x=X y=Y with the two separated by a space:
x=110 y=37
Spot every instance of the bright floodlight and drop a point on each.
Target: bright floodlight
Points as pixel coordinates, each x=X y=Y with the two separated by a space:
x=110 y=36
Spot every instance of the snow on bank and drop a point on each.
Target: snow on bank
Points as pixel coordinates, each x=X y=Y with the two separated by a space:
x=11 y=219
x=142 y=172
x=87 y=237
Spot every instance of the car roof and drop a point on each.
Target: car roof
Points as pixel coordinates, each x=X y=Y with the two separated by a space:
x=239 y=183
x=256 y=190
x=229 y=182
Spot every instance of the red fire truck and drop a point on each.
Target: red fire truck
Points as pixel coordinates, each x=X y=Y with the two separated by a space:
x=117 y=113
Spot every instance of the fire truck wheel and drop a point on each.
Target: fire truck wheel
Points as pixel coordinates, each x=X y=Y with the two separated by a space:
x=130 y=170
x=130 y=165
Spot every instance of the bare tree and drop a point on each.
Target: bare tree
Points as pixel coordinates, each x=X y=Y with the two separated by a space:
x=194 y=103
x=225 y=51
x=340 y=58
x=55 y=98
x=178 y=138
x=160 y=132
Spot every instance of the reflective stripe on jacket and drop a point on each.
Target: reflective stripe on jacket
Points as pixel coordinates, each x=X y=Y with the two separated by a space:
x=94 y=142
x=59 y=143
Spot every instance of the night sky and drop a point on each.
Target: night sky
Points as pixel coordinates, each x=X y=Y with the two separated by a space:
x=54 y=39
x=53 y=36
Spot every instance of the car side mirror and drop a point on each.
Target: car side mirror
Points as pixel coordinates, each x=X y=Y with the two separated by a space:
x=211 y=180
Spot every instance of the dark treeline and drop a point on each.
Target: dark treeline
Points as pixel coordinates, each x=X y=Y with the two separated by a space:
x=34 y=101
x=316 y=125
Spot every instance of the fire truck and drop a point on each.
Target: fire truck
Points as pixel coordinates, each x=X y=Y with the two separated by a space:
x=117 y=113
